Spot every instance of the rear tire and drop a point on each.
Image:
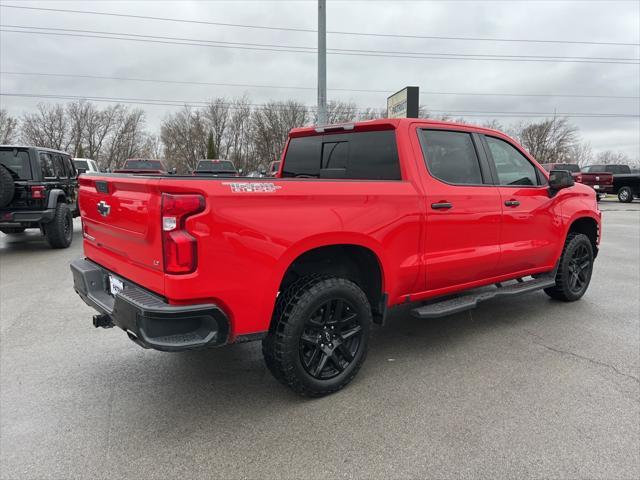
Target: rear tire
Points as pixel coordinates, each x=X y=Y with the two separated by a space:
x=625 y=195
x=320 y=335
x=574 y=269
x=59 y=231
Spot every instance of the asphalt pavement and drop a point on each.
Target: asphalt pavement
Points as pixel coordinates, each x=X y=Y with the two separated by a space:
x=520 y=388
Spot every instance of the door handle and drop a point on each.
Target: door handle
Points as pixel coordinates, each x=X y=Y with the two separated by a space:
x=441 y=205
x=512 y=203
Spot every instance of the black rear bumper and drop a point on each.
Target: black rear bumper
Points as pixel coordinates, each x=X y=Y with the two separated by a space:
x=146 y=317
x=15 y=218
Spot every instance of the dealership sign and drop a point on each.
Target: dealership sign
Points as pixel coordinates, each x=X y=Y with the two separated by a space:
x=403 y=104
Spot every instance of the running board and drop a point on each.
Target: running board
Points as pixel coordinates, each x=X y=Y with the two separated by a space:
x=468 y=301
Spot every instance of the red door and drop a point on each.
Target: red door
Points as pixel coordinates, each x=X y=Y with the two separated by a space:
x=462 y=235
x=530 y=222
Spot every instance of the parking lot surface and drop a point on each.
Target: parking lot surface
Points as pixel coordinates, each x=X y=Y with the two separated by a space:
x=519 y=388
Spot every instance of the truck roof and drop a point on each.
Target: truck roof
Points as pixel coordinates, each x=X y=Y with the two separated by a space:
x=381 y=124
x=44 y=149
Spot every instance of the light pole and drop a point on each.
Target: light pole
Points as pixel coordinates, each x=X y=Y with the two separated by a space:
x=322 y=62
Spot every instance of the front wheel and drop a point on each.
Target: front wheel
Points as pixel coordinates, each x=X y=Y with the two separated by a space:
x=320 y=335
x=625 y=195
x=574 y=269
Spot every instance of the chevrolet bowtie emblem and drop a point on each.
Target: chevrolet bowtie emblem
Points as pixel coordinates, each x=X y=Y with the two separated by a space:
x=103 y=208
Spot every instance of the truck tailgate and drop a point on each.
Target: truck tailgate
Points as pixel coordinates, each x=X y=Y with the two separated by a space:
x=121 y=226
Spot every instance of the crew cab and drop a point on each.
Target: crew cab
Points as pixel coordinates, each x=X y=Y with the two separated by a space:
x=142 y=166
x=626 y=184
x=601 y=182
x=361 y=218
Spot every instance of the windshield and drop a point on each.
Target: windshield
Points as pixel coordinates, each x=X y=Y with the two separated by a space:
x=16 y=160
x=143 y=165
x=215 y=166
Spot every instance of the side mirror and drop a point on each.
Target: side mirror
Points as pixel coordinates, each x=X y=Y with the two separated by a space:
x=559 y=179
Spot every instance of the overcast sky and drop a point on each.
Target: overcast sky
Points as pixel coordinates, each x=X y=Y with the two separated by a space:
x=578 y=20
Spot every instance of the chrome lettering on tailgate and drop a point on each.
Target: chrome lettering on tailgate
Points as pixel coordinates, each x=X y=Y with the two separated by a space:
x=252 y=187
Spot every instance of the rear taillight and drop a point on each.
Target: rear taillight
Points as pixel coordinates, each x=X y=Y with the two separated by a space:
x=579 y=178
x=180 y=248
x=37 y=192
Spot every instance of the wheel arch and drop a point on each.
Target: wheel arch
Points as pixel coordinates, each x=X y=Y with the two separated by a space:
x=56 y=196
x=353 y=261
x=588 y=226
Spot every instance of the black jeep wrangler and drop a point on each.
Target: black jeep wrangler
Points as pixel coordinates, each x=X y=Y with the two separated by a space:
x=38 y=189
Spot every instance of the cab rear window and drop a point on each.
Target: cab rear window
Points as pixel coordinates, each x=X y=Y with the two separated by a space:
x=357 y=156
x=16 y=161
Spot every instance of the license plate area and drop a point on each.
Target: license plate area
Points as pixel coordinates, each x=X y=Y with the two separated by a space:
x=115 y=285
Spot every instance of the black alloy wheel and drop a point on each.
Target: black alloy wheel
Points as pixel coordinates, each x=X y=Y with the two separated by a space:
x=579 y=267
x=330 y=340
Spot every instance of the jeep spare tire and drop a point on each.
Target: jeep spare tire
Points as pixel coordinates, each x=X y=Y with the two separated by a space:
x=7 y=187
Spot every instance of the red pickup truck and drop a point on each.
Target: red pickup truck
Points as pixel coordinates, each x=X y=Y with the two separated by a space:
x=361 y=218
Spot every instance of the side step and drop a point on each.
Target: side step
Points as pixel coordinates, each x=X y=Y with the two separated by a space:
x=467 y=301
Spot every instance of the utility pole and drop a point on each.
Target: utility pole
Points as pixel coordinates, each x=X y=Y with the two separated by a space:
x=322 y=62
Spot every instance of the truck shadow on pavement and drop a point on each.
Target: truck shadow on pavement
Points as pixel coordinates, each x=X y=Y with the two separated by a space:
x=236 y=376
x=30 y=240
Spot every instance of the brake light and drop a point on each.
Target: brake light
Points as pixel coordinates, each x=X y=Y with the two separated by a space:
x=37 y=192
x=579 y=178
x=180 y=248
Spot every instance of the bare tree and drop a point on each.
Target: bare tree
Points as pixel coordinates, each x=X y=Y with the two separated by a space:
x=609 y=156
x=270 y=126
x=47 y=127
x=339 y=112
x=549 y=141
x=127 y=139
x=217 y=114
x=581 y=154
x=184 y=135
x=238 y=144
x=8 y=127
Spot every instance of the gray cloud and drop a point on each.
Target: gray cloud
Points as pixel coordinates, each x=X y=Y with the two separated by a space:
x=613 y=21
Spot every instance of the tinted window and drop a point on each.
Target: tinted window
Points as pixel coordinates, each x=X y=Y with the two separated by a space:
x=362 y=155
x=68 y=165
x=451 y=157
x=215 y=166
x=58 y=166
x=17 y=162
x=81 y=164
x=46 y=164
x=143 y=165
x=513 y=168
x=335 y=154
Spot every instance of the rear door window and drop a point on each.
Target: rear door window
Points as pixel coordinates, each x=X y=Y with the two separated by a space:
x=16 y=161
x=58 y=166
x=46 y=163
x=355 y=156
x=512 y=167
x=451 y=157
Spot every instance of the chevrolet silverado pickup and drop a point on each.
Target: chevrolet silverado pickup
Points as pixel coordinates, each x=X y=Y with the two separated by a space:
x=360 y=218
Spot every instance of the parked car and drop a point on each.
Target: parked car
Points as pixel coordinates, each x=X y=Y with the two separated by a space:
x=142 y=166
x=84 y=165
x=602 y=182
x=626 y=184
x=367 y=217
x=216 y=168
x=38 y=189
